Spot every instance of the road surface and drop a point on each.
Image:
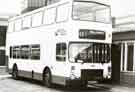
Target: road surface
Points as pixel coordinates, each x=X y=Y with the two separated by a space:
x=27 y=85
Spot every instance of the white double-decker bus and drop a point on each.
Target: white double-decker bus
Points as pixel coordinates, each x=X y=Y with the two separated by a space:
x=67 y=42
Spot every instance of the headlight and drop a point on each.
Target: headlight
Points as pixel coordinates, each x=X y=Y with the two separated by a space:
x=109 y=69
x=72 y=73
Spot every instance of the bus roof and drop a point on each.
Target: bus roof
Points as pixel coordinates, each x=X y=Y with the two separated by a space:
x=38 y=10
x=106 y=2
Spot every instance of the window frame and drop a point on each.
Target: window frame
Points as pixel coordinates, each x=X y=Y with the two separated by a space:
x=124 y=56
x=25 y=18
x=57 y=13
x=42 y=14
x=25 y=52
x=9 y=26
x=44 y=11
x=51 y=2
x=26 y=56
x=130 y=65
x=84 y=42
x=15 y=52
x=38 y=57
x=19 y=20
x=96 y=3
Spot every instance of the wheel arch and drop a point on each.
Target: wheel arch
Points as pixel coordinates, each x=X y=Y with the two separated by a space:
x=46 y=68
x=14 y=66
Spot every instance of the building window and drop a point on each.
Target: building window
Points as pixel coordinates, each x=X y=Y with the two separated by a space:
x=61 y=51
x=127 y=62
x=130 y=57
x=3 y=30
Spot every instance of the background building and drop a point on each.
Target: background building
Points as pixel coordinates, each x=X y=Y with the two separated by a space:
x=124 y=55
x=3 y=29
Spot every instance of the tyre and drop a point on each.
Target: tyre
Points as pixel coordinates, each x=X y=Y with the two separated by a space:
x=15 y=72
x=47 y=78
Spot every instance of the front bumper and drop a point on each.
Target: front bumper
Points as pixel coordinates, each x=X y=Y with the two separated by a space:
x=86 y=75
x=75 y=82
x=91 y=74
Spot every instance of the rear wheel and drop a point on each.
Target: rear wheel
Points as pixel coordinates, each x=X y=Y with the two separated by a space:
x=47 y=78
x=15 y=72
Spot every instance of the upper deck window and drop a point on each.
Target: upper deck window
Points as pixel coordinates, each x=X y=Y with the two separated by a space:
x=26 y=22
x=37 y=19
x=11 y=26
x=18 y=24
x=49 y=16
x=48 y=2
x=91 y=11
x=62 y=12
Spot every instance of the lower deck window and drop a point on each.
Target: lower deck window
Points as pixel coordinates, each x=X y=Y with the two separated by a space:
x=25 y=52
x=89 y=52
x=16 y=52
x=35 y=52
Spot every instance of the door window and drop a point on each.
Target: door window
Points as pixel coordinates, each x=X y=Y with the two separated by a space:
x=61 y=52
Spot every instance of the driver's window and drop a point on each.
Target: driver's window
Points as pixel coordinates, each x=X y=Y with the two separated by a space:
x=61 y=52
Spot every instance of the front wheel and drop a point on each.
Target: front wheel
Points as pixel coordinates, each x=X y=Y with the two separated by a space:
x=47 y=78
